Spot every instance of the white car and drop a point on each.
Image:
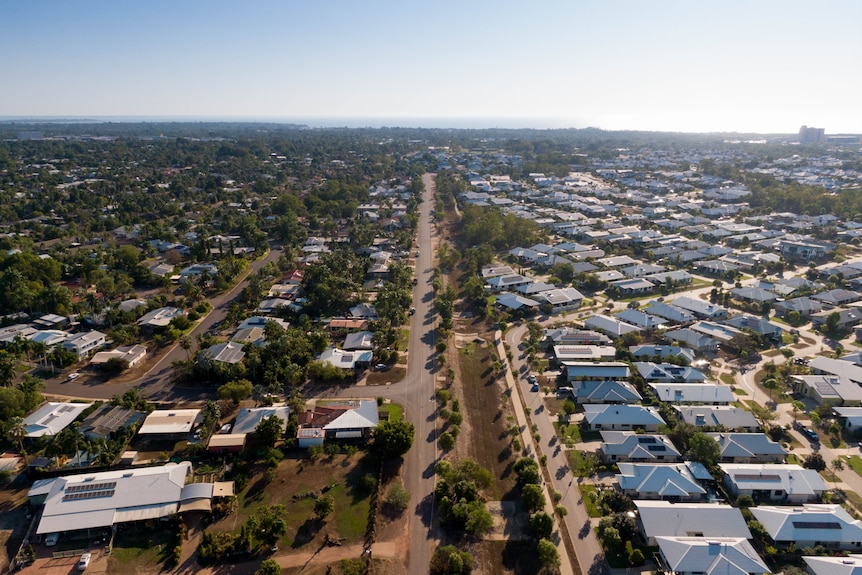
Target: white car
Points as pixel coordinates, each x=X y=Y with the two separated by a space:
x=74 y=375
x=84 y=561
x=51 y=539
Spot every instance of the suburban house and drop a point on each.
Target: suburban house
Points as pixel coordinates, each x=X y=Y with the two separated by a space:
x=823 y=365
x=696 y=341
x=758 y=325
x=159 y=317
x=847 y=318
x=169 y=424
x=849 y=417
x=605 y=391
x=591 y=371
x=668 y=372
x=828 y=525
x=51 y=418
x=107 y=420
x=131 y=354
x=667 y=481
x=700 y=308
x=82 y=344
x=728 y=417
x=229 y=352
x=610 y=326
x=359 y=340
x=849 y=565
x=641 y=319
x=660 y=352
x=91 y=502
x=507 y=282
x=564 y=353
x=669 y=312
x=561 y=299
x=831 y=389
x=667 y=519
x=514 y=302
x=569 y=336
x=227 y=442
x=702 y=393
x=342 y=420
x=786 y=483
x=619 y=446
x=599 y=417
x=709 y=556
x=804 y=306
x=249 y=418
x=351 y=360
x=748 y=448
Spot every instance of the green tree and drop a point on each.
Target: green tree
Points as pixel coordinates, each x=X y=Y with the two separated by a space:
x=323 y=506
x=814 y=461
x=448 y=560
x=392 y=438
x=533 y=498
x=832 y=321
x=236 y=391
x=541 y=525
x=549 y=557
x=397 y=497
x=269 y=567
x=703 y=449
x=268 y=431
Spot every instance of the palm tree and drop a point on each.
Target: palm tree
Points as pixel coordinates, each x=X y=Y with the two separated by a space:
x=17 y=432
x=186 y=344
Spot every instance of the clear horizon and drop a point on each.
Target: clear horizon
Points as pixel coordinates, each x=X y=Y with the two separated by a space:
x=670 y=65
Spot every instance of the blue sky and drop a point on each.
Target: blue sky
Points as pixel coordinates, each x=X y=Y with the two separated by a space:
x=693 y=65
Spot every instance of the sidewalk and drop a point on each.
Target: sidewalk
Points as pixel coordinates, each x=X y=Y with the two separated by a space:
x=532 y=449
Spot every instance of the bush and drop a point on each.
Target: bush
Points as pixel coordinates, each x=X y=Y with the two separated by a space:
x=447 y=442
x=455 y=418
x=397 y=497
x=367 y=483
x=448 y=560
x=636 y=557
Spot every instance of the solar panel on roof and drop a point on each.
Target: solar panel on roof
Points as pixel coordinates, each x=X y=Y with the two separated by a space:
x=816 y=524
x=656 y=448
x=646 y=439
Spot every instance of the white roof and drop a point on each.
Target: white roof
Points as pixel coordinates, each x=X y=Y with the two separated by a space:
x=364 y=416
x=663 y=518
x=52 y=418
x=249 y=418
x=693 y=392
x=850 y=565
x=812 y=522
x=664 y=479
x=711 y=555
x=93 y=500
x=169 y=421
x=791 y=478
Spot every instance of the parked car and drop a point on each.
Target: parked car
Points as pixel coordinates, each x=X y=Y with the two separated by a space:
x=531 y=378
x=381 y=367
x=74 y=375
x=51 y=539
x=535 y=387
x=84 y=561
x=412 y=311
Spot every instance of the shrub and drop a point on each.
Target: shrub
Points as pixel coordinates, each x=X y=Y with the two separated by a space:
x=636 y=557
x=447 y=442
x=397 y=497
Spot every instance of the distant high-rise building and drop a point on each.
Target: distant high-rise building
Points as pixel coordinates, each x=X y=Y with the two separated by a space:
x=810 y=135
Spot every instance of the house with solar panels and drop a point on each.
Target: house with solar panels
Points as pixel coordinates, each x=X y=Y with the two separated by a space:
x=92 y=503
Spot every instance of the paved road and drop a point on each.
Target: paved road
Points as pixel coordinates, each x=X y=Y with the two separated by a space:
x=588 y=549
x=157 y=383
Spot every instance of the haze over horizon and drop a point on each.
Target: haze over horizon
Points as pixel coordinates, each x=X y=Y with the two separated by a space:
x=671 y=65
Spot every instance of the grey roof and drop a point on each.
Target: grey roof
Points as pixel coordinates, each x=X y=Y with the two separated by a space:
x=693 y=392
x=52 y=418
x=787 y=477
x=850 y=565
x=751 y=445
x=714 y=415
x=228 y=352
x=812 y=522
x=99 y=500
x=662 y=479
x=711 y=555
x=635 y=415
x=643 y=446
x=610 y=326
x=668 y=372
x=363 y=416
x=249 y=418
x=606 y=392
x=699 y=307
x=359 y=340
x=664 y=518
